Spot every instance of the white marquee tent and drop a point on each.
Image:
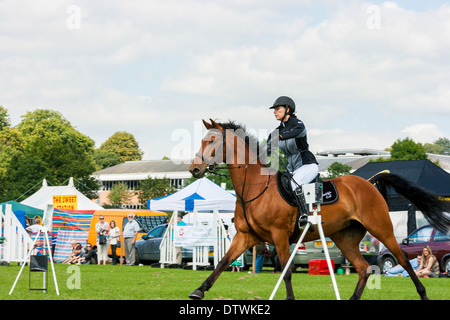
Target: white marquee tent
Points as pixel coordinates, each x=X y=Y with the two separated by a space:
x=45 y=194
x=201 y=195
x=205 y=197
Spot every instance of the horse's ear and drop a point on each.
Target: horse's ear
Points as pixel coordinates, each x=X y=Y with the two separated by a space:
x=214 y=124
x=207 y=125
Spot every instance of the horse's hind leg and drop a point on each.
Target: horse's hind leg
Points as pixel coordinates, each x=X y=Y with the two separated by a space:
x=241 y=242
x=391 y=243
x=348 y=241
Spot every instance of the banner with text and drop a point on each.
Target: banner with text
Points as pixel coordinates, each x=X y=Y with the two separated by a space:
x=194 y=236
x=65 y=202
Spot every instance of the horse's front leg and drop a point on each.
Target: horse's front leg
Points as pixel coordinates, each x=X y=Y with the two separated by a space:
x=241 y=242
x=282 y=246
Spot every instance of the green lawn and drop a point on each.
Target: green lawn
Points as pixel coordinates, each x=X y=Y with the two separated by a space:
x=91 y=282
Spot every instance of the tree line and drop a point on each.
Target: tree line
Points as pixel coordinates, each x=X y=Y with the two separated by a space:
x=402 y=149
x=44 y=145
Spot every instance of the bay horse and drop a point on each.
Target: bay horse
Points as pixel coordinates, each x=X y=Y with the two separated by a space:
x=261 y=214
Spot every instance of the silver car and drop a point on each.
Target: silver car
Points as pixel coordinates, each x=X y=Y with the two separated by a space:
x=307 y=251
x=314 y=250
x=147 y=248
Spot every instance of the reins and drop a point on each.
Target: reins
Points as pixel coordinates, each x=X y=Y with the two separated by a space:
x=245 y=179
x=212 y=168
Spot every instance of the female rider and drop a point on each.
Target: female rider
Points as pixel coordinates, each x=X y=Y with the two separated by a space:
x=292 y=141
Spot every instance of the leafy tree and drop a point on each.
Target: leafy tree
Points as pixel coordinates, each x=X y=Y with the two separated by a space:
x=10 y=146
x=24 y=173
x=124 y=145
x=217 y=179
x=152 y=188
x=119 y=194
x=43 y=145
x=444 y=143
x=10 y=151
x=50 y=137
x=4 y=118
x=440 y=146
x=337 y=169
x=88 y=186
x=105 y=160
x=407 y=149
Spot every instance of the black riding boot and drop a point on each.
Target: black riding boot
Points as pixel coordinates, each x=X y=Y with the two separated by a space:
x=304 y=209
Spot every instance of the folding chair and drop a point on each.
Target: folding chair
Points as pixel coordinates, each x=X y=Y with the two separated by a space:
x=39 y=263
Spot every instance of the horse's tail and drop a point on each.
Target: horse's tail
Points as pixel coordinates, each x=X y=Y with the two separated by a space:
x=435 y=209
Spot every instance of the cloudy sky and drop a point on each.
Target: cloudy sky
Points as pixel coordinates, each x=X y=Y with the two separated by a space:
x=362 y=74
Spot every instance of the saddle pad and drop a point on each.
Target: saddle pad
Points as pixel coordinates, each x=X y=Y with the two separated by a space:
x=330 y=193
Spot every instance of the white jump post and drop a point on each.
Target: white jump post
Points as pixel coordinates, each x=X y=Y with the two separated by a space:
x=46 y=227
x=166 y=247
x=313 y=196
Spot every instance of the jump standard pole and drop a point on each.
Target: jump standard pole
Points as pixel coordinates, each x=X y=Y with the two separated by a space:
x=313 y=199
x=46 y=226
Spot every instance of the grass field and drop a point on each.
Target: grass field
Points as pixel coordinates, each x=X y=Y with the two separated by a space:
x=91 y=282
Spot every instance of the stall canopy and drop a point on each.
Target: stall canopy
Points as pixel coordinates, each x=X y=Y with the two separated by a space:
x=48 y=194
x=202 y=195
x=30 y=212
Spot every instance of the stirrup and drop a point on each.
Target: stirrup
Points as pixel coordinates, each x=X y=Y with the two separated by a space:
x=303 y=207
x=303 y=221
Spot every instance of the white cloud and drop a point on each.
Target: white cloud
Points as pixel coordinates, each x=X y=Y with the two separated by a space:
x=152 y=67
x=423 y=132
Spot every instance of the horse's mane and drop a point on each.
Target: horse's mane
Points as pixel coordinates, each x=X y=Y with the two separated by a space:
x=250 y=139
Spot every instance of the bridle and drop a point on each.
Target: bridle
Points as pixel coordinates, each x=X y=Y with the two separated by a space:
x=212 y=166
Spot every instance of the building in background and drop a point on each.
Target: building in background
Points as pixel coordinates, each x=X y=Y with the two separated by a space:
x=131 y=172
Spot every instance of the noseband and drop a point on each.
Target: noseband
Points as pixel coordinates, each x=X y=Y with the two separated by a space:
x=211 y=161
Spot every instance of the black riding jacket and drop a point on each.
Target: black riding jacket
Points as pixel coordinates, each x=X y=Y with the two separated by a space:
x=292 y=141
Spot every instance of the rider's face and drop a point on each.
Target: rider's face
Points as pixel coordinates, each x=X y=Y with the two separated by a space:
x=279 y=112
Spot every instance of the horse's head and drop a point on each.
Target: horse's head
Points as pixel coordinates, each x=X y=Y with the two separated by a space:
x=211 y=152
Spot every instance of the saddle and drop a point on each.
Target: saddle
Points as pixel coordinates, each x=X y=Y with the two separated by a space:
x=330 y=195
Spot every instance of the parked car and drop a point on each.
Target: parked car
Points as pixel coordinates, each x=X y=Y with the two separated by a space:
x=413 y=244
x=120 y=217
x=306 y=251
x=147 y=248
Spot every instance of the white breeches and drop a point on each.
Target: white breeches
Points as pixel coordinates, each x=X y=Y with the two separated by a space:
x=303 y=175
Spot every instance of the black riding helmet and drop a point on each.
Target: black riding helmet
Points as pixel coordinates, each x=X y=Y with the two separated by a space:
x=285 y=102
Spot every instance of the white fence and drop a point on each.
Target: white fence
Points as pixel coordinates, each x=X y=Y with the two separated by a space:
x=199 y=236
x=167 y=247
x=17 y=241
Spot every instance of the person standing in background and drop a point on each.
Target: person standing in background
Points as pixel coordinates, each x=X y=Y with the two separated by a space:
x=114 y=234
x=102 y=229
x=129 y=238
x=179 y=256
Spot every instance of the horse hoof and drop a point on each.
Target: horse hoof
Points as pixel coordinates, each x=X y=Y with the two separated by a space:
x=197 y=295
